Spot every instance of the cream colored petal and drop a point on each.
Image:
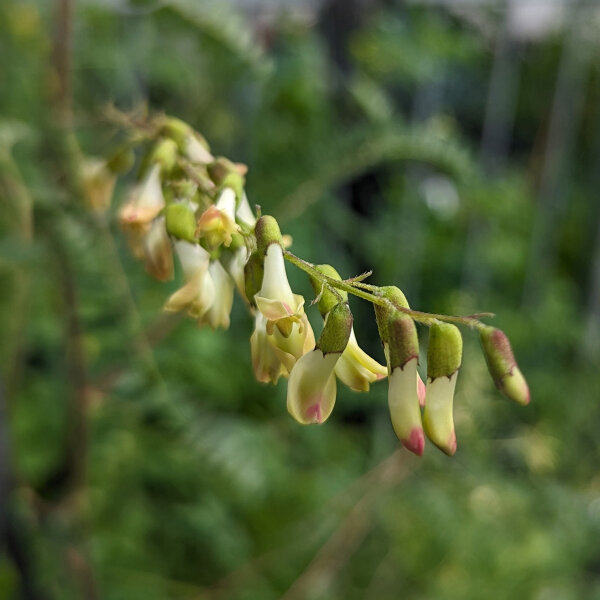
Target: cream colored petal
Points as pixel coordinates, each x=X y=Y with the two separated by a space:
x=273 y=309
x=312 y=388
x=158 y=252
x=193 y=258
x=438 y=420
x=275 y=285
x=405 y=412
x=220 y=309
x=265 y=361
x=196 y=151
x=244 y=212
x=357 y=369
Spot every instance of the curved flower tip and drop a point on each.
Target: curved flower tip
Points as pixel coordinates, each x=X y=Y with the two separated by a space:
x=405 y=412
x=421 y=391
x=196 y=149
x=312 y=388
x=158 y=253
x=268 y=367
x=438 y=420
x=515 y=387
x=217 y=224
x=357 y=369
x=415 y=441
x=98 y=183
x=198 y=293
x=145 y=201
x=218 y=315
x=286 y=321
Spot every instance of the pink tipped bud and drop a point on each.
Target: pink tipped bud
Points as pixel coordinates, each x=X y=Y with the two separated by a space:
x=503 y=366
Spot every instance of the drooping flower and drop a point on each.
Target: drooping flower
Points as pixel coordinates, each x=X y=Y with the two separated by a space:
x=217 y=224
x=312 y=386
x=198 y=293
x=284 y=311
x=503 y=366
x=355 y=368
x=158 y=252
x=144 y=203
x=266 y=363
x=244 y=212
x=444 y=356
x=220 y=310
x=98 y=183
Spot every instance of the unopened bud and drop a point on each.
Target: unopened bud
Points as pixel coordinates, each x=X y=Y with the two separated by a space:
x=267 y=232
x=328 y=298
x=181 y=221
x=234 y=181
x=403 y=396
x=165 y=154
x=121 y=160
x=502 y=365
x=444 y=358
x=336 y=331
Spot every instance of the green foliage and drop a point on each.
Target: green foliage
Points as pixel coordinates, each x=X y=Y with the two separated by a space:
x=189 y=479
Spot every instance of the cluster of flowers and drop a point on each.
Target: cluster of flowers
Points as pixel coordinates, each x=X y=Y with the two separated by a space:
x=193 y=205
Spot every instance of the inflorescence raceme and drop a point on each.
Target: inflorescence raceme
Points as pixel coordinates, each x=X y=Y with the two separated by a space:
x=193 y=205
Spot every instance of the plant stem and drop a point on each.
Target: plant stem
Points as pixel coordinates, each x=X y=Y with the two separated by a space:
x=371 y=296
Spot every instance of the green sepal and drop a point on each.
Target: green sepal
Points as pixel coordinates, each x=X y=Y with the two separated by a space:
x=336 y=331
x=235 y=181
x=384 y=313
x=328 y=298
x=177 y=130
x=253 y=275
x=403 y=340
x=267 y=232
x=165 y=154
x=180 y=221
x=444 y=354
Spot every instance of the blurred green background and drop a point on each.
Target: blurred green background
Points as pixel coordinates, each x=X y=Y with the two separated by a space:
x=454 y=148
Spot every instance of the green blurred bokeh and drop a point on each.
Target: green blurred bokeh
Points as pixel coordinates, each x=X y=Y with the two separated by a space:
x=453 y=149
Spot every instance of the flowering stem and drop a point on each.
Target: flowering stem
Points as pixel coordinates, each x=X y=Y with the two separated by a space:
x=369 y=293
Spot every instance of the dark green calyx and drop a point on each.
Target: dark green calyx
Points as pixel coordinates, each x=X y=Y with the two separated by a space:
x=329 y=298
x=336 y=332
x=403 y=340
x=444 y=355
x=253 y=275
x=384 y=313
x=180 y=221
x=267 y=232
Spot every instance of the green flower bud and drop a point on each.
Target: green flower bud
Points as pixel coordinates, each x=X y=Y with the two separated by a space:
x=177 y=130
x=328 y=298
x=444 y=357
x=444 y=354
x=165 y=154
x=253 y=276
x=181 y=221
x=267 y=232
x=383 y=313
x=502 y=365
x=336 y=331
x=235 y=181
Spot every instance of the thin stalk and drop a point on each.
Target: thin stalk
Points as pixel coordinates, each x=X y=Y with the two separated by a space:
x=371 y=296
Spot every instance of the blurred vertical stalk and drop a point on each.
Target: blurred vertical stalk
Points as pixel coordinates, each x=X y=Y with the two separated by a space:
x=564 y=118
x=17 y=212
x=495 y=140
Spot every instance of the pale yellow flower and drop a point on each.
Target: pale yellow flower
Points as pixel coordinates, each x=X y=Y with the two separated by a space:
x=217 y=223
